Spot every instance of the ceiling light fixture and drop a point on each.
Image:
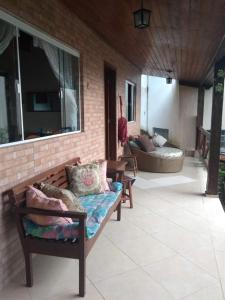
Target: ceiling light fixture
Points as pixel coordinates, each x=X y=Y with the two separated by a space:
x=169 y=78
x=142 y=17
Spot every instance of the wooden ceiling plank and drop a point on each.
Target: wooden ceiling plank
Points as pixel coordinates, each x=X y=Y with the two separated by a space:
x=183 y=36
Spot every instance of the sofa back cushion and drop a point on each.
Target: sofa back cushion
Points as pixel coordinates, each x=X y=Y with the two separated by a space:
x=134 y=145
x=145 y=143
x=85 y=179
x=37 y=199
x=159 y=140
x=103 y=171
x=68 y=198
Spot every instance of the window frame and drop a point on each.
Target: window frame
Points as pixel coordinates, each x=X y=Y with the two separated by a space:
x=32 y=30
x=128 y=82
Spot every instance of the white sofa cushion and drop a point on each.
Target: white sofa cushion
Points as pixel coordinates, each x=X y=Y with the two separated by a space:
x=166 y=152
x=159 y=140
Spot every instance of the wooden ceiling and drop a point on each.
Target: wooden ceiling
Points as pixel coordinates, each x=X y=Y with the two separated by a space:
x=184 y=35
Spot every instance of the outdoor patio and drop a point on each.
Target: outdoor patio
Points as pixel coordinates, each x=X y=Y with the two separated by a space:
x=170 y=246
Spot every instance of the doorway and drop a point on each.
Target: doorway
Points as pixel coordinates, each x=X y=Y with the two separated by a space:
x=110 y=113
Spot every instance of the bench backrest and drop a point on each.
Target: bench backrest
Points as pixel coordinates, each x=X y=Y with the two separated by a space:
x=56 y=176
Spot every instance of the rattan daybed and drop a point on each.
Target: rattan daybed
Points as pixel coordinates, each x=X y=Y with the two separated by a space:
x=162 y=160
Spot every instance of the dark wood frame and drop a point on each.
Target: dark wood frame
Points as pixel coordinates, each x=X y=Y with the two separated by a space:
x=110 y=89
x=69 y=249
x=215 y=132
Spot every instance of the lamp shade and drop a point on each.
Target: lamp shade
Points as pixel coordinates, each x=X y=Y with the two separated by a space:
x=142 y=18
x=168 y=80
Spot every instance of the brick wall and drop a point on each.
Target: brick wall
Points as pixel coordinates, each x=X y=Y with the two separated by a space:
x=18 y=163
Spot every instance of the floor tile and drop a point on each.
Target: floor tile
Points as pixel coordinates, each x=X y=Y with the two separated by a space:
x=12 y=291
x=138 y=210
x=132 y=285
x=123 y=230
x=145 y=250
x=218 y=239
x=107 y=260
x=57 y=278
x=210 y=293
x=222 y=281
x=151 y=222
x=220 y=258
x=180 y=239
x=204 y=257
x=179 y=277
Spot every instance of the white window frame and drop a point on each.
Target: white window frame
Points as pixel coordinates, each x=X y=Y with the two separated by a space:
x=30 y=29
x=133 y=99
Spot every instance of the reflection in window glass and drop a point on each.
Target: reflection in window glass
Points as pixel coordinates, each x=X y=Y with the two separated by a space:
x=39 y=87
x=10 y=114
x=50 y=81
x=130 y=101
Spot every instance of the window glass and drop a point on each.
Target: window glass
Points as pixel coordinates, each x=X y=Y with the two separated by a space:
x=130 y=101
x=50 y=81
x=10 y=113
x=39 y=87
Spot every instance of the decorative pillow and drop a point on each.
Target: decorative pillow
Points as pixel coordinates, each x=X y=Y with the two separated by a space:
x=159 y=140
x=146 y=143
x=37 y=199
x=134 y=145
x=67 y=197
x=103 y=171
x=85 y=179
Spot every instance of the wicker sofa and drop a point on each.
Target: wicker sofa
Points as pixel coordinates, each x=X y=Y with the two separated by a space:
x=168 y=159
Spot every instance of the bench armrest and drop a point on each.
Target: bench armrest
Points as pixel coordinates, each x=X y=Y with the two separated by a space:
x=126 y=156
x=44 y=212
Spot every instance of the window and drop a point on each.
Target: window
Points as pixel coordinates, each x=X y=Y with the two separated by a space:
x=39 y=87
x=130 y=101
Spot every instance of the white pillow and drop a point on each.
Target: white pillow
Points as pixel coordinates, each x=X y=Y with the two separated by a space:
x=159 y=140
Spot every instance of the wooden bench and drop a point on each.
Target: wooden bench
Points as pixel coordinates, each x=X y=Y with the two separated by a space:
x=69 y=249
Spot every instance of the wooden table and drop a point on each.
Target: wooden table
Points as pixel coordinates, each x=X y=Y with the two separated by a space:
x=116 y=168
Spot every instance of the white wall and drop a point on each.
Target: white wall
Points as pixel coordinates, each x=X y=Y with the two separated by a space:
x=170 y=106
x=207 y=109
x=163 y=106
x=144 y=102
x=188 y=117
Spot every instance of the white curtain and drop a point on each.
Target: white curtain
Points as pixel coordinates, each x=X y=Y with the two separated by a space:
x=7 y=33
x=62 y=67
x=3 y=112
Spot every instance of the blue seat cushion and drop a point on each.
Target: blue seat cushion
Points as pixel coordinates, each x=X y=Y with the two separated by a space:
x=96 y=206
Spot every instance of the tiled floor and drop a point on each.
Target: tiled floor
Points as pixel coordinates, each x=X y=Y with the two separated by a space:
x=171 y=246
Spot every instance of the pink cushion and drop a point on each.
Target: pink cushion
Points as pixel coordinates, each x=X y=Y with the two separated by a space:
x=103 y=170
x=146 y=143
x=37 y=199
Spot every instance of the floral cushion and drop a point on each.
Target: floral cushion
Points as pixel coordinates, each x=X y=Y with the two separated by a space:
x=85 y=179
x=96 y=206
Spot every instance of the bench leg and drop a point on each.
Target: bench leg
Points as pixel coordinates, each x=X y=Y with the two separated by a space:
x=29 y=271
x=82 y=271
x=130 y=195
x=119 y=211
